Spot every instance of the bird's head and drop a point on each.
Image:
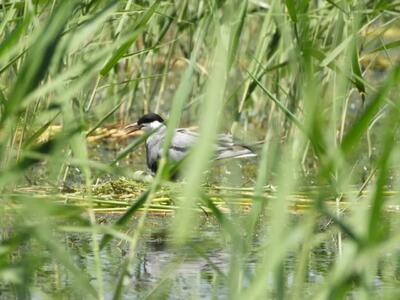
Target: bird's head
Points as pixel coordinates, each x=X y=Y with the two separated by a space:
x=147 y=123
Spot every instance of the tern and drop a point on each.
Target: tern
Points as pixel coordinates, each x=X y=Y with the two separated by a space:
x=182 y=141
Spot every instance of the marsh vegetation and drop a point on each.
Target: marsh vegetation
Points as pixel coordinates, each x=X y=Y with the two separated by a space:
x=313 y=84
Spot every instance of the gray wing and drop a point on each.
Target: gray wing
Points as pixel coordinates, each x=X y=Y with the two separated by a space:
x=182 y=141
x=227 y=148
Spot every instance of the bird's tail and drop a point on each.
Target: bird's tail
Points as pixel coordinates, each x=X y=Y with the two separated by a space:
x=236 y=151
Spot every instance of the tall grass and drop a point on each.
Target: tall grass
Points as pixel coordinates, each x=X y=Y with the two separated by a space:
x=316 y=81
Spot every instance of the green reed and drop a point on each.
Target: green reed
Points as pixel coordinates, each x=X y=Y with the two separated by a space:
x=303 y=77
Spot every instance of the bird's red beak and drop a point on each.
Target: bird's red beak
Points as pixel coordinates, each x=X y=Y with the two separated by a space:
x=134 y=127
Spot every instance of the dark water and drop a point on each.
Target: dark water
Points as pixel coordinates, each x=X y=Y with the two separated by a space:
x=193 y=272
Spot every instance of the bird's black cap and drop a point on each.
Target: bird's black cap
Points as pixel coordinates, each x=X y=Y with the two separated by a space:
x=150 y=117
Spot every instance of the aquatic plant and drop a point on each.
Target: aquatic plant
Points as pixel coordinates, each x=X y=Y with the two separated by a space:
x=313 y=83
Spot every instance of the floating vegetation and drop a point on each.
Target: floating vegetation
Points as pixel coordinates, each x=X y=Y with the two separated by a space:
x=115 y=196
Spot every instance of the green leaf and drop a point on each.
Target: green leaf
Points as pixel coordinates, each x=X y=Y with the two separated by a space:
x=221 y=218
x=126 y=216
x=3 y=99
x=132 y=146
x=39 y=58
x=236 y=33
x=102 y=120
x=12 y=39
x=386 y=46
x=35 y=155
x=138 y=29
x=60 y=254
x=337 y=6
x=288 y=113
x=39 y=132
x=321 y=206
x=357 y=77
x=335 y=52
x=377 y=227
x=355 y=133
x=291 y=6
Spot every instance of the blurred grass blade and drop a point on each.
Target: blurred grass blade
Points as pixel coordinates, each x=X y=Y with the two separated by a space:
x=236 y=34
x=16 y=170
x=126 y=216
x=89 y=27
x=39 y=58
x=358 y=78
x=3 y=99
x=132 y=146
x=270 y=224
x=336 y=52
x=291 y=7
x=102 y=120
x=35 y=155
x=63 y=257
x=316 y=142
x=337 y=6
x=354 y=78
x=186 y=218
x=386 y=46
x=120 y=282
x=12 y=39
x=264 y=39
x=12 y=61
x=180 y=97
x=287 y=112
x=221 y=218
x=354 y=134
x=377 y=225
x=344 y=227
x=138 y=29
x=29 y=141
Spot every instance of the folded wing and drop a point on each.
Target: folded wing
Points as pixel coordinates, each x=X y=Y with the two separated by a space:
x=228 y=148
x=184 y=139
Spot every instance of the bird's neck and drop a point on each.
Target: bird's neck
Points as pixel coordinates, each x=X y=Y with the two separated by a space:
x=157 y=128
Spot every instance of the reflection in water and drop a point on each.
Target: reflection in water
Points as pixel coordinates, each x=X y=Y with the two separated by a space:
x=199 y=271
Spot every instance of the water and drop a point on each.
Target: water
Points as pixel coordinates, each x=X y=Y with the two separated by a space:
x=194 y=272
x=201 y=270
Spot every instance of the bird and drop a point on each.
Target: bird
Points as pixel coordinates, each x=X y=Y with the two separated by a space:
x=182 y=141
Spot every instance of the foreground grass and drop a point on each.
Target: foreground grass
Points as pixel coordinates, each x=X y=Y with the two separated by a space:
x=316 y=81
